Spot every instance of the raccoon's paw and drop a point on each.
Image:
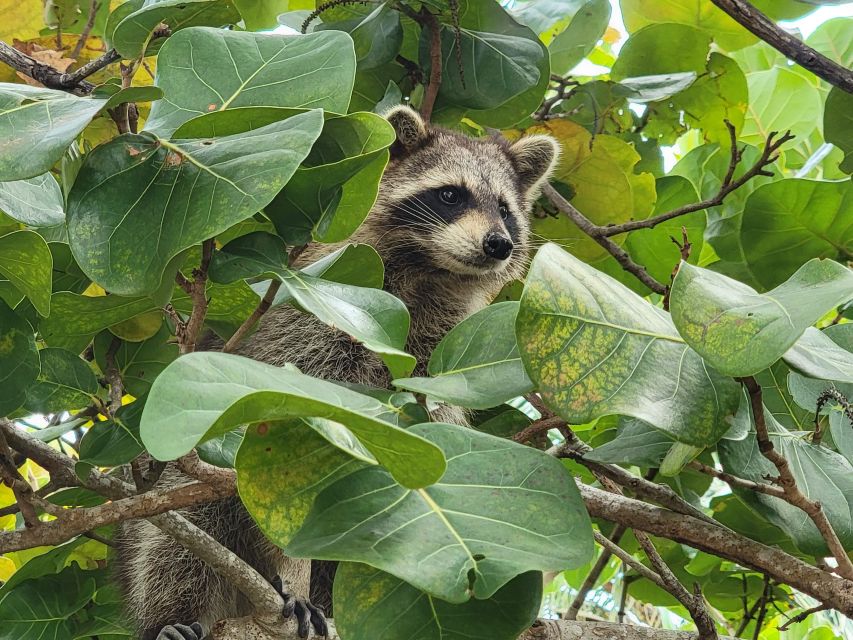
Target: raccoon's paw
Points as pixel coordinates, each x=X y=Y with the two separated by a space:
x=181 y=632
x=307 y=615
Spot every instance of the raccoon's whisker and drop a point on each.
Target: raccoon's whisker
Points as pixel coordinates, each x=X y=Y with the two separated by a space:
x=423 y=205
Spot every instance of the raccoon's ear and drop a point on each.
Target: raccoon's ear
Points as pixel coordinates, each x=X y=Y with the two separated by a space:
x=410 y=129
x=535 y=158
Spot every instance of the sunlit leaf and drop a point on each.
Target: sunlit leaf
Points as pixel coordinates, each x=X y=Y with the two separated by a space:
x=19 y=359
x=66 y=381
x=595 y=348
x=26 y=262
x=37 y=202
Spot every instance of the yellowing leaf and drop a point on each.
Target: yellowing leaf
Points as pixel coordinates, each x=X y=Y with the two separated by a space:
x=606 y=190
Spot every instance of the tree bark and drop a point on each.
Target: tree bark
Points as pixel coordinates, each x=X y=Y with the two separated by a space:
x=579 y=630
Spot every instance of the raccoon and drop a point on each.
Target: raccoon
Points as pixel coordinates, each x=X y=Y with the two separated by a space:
x=451 y=225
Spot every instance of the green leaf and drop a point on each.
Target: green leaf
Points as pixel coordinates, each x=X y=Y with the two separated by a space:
x=113 y=442
x=841 y=430
x=832 y=38
x=26 y=262
x=368 y=603
x=377 y=36
x=490 y=17
x=57 y=117
x=487 y=520
x=333 y=191
x=132 y=36
x=477 y=364
x=240 y=69
x=594 y=348
x=700 y=14
x=637 y=443
x=574 y=43
x=263 y=14
x=222 y=450
x=74 y=319
x=510 y=62
x=139 y=200
x=821 y=474
x=37 y=202
x=741 y=332
x=202 y=395
x=837 y=124
x=778 y=400
x=605 y=187
x=229 y=306
x=780 y=100
x=66 y=382
x=818 y=356
x=280 y=470
x=653 y=248
x=19 y=359
x=787 y=222
x=48 y=563
x=657 y=87
x=646 y=52
x=372 y=316
x=139 y=363
x=41 y=608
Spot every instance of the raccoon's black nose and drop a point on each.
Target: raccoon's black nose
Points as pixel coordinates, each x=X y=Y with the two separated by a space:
x=497 y=246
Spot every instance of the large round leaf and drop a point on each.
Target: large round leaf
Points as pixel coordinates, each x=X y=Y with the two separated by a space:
x=202 y=395
x=66 y=381
x=26 y=262
x=649 y=51
x=139 y=363
x=741 y=332
x=487 y=520
x=19 y=359
x=37 y=202
x=786 y=222
x=368 y=602
x=139 y=200
x=203 y=70
x=838 y=124
x=701 y=14
x=821 y=474
x=132 y=35
x=596 y=348
x=573 y=44
x=780 y=100
x=332 y=192
x=477 y=364
x=36 y=127
x=281 y=470
x=75 y=319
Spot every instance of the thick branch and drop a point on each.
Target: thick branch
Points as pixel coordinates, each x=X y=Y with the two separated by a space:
x=782 y=567
x=578 y=630
x=73 y=522
x=753 y=20
x=594 y=232
x=43 y=73
x=788 y=483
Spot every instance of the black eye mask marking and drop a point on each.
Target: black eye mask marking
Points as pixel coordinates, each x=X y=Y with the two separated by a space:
x=443 y=205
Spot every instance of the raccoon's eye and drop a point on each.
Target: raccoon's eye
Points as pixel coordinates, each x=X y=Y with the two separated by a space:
x=449 y=195
x=504 y=211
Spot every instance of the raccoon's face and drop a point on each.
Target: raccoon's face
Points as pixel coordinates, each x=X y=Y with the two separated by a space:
x=460 y=203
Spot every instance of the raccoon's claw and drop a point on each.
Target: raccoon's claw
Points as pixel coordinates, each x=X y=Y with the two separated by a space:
x=307 y=615
x=181 y=632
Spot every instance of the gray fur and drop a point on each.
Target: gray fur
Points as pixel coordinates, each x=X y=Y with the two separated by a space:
x=163 y=583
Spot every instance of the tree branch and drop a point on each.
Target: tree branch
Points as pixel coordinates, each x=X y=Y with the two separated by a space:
x=188 y=332
x=43 y=73
x=759 y=24
x=87 y=29
x=609 y=544
x=788 y=483
x=734 y=481
x=769 y=155
x=823 y=586
x=252 y=320
x=428 y=21
x=583 y=630
x=594 y=232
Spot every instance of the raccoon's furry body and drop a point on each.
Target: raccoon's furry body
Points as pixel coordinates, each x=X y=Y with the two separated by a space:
x=445 y=261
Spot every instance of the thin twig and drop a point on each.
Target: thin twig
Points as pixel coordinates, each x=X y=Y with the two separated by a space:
x=769 y=155
x=802 y=616
x=114 y=376
x=612 y=548
x=21 y=489
x=538 y=427
x=744 y=623
x=87 y=29
x=788 y=483
x=762 y=611
x=609 y=544
x=734 y=481
x=428 y=21
x=188 y=332
x=250 y=322
x=766 y=29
